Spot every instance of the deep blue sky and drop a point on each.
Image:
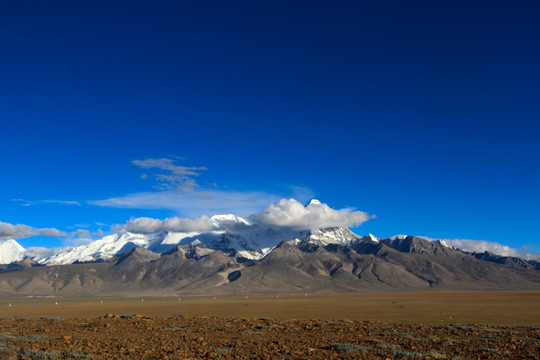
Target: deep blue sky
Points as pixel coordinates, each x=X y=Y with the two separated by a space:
x=424 y=113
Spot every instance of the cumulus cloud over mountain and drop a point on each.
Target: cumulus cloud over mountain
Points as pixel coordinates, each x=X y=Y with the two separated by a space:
x=146 y=225
x=287 y=213
x=292 y=214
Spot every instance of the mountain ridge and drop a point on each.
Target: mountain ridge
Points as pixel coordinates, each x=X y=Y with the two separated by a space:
x=312 y=265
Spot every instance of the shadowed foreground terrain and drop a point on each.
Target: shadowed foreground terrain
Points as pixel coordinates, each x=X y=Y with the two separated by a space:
x=453 y=325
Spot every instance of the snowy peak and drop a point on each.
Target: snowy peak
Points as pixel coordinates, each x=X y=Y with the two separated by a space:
x=373 y=238
x=442 y=242
x=313 y=202
x=104 y=248
x=228 y=221
x=11 y=251
x=338 y=235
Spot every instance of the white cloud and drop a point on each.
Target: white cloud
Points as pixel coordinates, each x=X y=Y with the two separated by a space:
x=174 y=176
x=291 y=213
x=82 y=236
x=287 y=213
x=197 y=204
x=81 y=233
x=145 y=225
x=18 y=231
x=51 y=232
x=38 y=253
x=480 y=246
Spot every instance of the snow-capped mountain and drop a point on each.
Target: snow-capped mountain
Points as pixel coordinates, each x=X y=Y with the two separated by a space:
x=11 y=251
x=317 y=260
x=233 y=235
x=252 y=239
x=104 y=248
x=252 y=244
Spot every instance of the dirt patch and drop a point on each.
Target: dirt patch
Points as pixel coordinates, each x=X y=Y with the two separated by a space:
x=133 y=336
x=489 y=308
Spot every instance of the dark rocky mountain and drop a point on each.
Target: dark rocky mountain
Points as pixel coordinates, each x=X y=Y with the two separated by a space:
x=409 y=263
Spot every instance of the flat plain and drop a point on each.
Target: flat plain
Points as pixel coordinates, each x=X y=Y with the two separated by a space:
x=438 y=325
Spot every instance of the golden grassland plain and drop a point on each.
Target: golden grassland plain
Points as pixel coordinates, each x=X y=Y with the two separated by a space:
x=503 y=308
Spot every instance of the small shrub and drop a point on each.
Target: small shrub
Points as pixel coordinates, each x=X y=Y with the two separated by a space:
x=80 y=356
x=458 y=341
x=51 y=318
x=9 y=347
x=389 y=347
x=375 y=341
x=31 y=338
x=492 y=339
x=467 y=328
x=174 y=329
x=176 y=316
x=6 y=337
x=251 y=332
x=223 y=351
x=349 y=347
x=493 y=351
x=218 y=324
x=528 y=339
x=38 y=354
x=494 y=330
x=437 y=354
x=408 y=335
x=409 y=354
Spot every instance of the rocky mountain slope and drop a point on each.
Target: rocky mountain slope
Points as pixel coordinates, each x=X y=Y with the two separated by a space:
x=331 y=260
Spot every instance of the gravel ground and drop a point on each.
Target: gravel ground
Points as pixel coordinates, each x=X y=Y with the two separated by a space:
x=131 y=336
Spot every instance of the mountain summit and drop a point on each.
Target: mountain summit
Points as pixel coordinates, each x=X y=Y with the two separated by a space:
x=11 y=251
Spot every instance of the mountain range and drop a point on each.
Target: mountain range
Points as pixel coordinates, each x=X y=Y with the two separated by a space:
x=256 y=260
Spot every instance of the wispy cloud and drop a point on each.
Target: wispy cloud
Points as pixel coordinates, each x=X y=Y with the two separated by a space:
x=287 y=213
x=179 y=192
x=202 y=202
x=18 y=231
x=172 y=176
x=23 y=202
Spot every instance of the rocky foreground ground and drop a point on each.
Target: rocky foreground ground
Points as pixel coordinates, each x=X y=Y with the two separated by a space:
x=131 y=336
